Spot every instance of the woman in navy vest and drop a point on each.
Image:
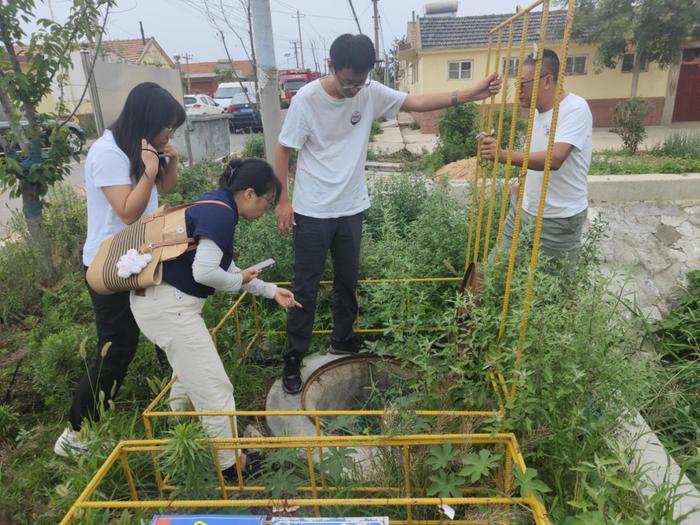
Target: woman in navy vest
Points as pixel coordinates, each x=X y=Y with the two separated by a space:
x=170 y=314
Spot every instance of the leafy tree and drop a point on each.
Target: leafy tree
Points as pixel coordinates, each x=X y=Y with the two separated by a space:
x=651 y=29
x=29 y=66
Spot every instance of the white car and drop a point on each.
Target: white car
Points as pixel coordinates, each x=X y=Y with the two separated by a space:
x=202 y=105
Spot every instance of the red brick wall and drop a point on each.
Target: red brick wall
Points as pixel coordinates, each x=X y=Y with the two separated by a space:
x=600 y=108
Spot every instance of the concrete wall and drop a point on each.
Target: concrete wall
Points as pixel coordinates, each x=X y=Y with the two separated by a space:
x=209 y=137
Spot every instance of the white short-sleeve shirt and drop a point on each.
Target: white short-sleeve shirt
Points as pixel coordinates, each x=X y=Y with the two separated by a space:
x=106 y=165
x=332 y=138
x=567 y=193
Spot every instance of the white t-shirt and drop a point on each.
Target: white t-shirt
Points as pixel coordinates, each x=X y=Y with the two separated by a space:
x=332 y=136
x=567 y=193
x=106 y=165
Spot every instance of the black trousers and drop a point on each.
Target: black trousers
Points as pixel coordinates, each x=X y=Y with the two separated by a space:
x=312 y=239
x=115 y=325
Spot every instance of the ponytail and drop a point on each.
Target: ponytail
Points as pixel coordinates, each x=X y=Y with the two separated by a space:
x=241 y=174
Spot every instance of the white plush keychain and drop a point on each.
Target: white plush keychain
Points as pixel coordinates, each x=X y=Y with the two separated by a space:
x=131 y=263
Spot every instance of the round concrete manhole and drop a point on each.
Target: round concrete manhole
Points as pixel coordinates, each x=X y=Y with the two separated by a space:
x=354 y=383
x=363 y=382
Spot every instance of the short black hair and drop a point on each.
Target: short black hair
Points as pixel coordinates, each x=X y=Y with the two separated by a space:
x=353 y=51
x=550 y=62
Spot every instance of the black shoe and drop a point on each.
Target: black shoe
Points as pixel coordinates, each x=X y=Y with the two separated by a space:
x=291 y=374
x=253 y=464
x=352 y=346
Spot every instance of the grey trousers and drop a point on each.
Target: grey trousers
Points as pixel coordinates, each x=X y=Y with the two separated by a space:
x=560 y=238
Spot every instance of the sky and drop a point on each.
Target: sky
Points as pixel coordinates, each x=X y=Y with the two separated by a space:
x=181 y=26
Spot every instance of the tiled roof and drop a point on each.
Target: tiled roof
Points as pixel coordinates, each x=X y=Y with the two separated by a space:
x=473 y=31
x=243 y=67
x=129 y=50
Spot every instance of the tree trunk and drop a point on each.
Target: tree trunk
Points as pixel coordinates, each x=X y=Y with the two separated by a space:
x=635 y=74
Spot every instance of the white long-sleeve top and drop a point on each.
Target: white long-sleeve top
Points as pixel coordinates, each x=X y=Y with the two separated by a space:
x=206 y=270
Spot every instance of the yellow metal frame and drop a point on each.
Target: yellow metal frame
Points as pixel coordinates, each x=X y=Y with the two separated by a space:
x=403 y=496
x=234 y=314
x=504 y=391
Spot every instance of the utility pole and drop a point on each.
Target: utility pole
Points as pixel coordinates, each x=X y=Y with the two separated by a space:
x=301 y=45
x=267 y=74
x=376 y=36
x=252 y=48
x=143 y=35
x=187 y=57
x=296 y=55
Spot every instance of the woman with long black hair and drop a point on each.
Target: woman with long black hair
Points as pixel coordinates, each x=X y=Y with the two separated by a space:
x=125 y=169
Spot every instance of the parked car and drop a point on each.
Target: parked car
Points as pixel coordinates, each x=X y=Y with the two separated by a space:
x=244 y=113
x=76 y=137
x=227 y=90
x=202 y=105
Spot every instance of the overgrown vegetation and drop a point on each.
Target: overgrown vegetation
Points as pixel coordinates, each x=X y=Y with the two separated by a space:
x=675 y=413
x=581 y=370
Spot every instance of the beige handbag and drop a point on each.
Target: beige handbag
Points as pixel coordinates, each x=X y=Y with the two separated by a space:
x=163 y=234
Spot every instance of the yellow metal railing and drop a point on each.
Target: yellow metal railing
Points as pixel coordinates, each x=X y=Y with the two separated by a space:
x=400 y=500
x=233 y=313
x=504 y=390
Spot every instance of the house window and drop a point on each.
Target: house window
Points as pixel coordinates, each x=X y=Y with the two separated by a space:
x=576 y=65
x=461 y=70
x=628 y=63
x=513 y=67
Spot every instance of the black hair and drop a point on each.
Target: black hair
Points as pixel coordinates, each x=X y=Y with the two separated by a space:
x=241 y=174
x=550 y=62
x=353 y=51
x=148 y=110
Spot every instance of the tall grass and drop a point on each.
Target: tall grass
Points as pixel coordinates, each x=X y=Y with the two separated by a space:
x=679 y=144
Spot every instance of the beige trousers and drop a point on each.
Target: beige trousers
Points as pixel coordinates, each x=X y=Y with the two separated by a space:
x=172 y=320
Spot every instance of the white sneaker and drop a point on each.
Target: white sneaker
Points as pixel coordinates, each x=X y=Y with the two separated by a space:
x=68 y=444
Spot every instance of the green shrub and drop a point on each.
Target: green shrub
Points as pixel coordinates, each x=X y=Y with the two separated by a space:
x=458 y=128
x=414 y=125
x=254 y=147
x=24 y=268
x=9 y=421
x=57 y=361
x=683 y=145
x=193 y=181
x=628 y=122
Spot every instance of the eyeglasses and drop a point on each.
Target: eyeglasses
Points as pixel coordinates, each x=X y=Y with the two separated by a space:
x=171 y=130
x=355 y=87
x=523 y=82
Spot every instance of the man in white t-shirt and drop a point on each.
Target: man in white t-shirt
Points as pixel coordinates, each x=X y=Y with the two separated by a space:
x=566 y=202
x=329 y=122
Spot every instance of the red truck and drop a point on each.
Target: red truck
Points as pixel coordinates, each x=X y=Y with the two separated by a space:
x=291 y=81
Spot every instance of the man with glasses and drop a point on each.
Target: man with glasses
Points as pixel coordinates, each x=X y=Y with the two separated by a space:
x=567 y=192
x=329 y=122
